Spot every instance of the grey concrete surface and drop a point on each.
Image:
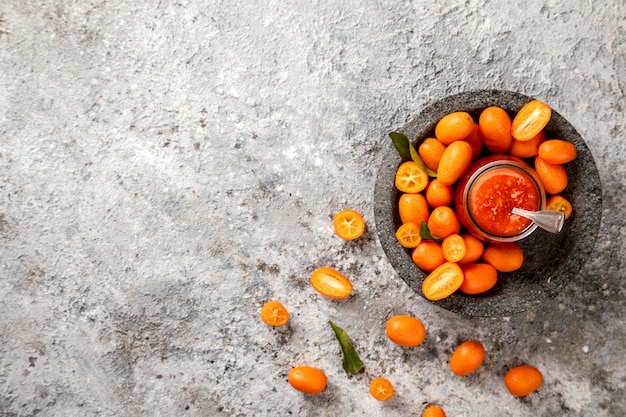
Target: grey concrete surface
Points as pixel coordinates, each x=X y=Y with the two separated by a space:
x=167 y=167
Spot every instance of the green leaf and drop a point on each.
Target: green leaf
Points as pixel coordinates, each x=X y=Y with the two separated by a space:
x=416 y=158
x=425 y=233
x=351 y=362
x=401 y=142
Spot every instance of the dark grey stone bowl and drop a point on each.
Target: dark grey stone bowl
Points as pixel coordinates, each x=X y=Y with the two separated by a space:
x=550 y=260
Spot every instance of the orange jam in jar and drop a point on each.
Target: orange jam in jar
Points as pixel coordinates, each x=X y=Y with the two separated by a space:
x=490 y=189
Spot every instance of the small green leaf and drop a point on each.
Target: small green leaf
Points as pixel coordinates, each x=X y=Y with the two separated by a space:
x=425 y=233
x=401 y=142
x=351 y=362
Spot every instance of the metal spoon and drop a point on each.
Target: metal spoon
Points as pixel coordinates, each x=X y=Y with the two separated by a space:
x=550 y=220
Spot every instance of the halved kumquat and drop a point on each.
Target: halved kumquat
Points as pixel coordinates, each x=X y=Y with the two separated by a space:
x=443 y=281
x=348 y=224
x=408 y=235
x=530 y=120
x=559 y=203
x=410 y=178
x=381 y=389
x=453 y=248
x=274 y=313
x=331 y=283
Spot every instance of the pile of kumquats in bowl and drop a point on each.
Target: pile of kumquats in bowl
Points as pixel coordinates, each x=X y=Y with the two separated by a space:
x=445 y=193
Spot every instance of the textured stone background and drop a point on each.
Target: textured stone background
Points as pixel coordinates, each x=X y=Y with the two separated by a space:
x=167 y=167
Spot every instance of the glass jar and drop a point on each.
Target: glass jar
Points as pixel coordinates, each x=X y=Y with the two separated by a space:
x=490 y=189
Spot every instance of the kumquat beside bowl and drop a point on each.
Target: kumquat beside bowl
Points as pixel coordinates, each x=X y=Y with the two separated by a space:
x=445 y=190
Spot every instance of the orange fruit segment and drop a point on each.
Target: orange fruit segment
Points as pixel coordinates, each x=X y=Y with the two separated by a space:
x=348 y=224
x=274 y=313
x=559 y=203
x=381 y=389
x=331 y=283
x=443 y=281
x=410 y=178
x=530 y=120
x=408 y=235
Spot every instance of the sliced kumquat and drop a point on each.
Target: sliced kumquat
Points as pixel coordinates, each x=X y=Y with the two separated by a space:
x=331 y=283
x=274 y=313
x=348 y=224
x=557 y=151
x=381 y=389
x=410 y=178
x=408 y=235
x=559 y=203
x=443 y=281
x=530 y=120
x=453 y=248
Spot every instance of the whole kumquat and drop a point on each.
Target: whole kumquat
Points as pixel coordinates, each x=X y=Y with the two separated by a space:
x=434 y=411
x=438 y=194
x=504 y=257
x=495 y=129
x=443 y=222
x=474 y=249
x=428 y=255
x=467 y=358
x=381 y=389
x=552 y=176
x=557 y=151
x=274 y=313
x=559 y=203
x=430 y=150
x=530 y=120
x=307 y=379
x=454 y=162
x=348 y=224
x=405 y=330
x=408 y=235
x=331 y=283
x=522 y=380
x=453 y=127
x=410 y=178
x=413 y=208
x=475 y=141
x=443 y=281
x=478 y=278
x=453 y=248
x=528 y=148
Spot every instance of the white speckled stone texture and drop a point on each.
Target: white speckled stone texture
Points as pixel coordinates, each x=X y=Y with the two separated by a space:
x=167 y=167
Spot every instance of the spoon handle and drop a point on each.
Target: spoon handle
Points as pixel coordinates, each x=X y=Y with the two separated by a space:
x=550 y=220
